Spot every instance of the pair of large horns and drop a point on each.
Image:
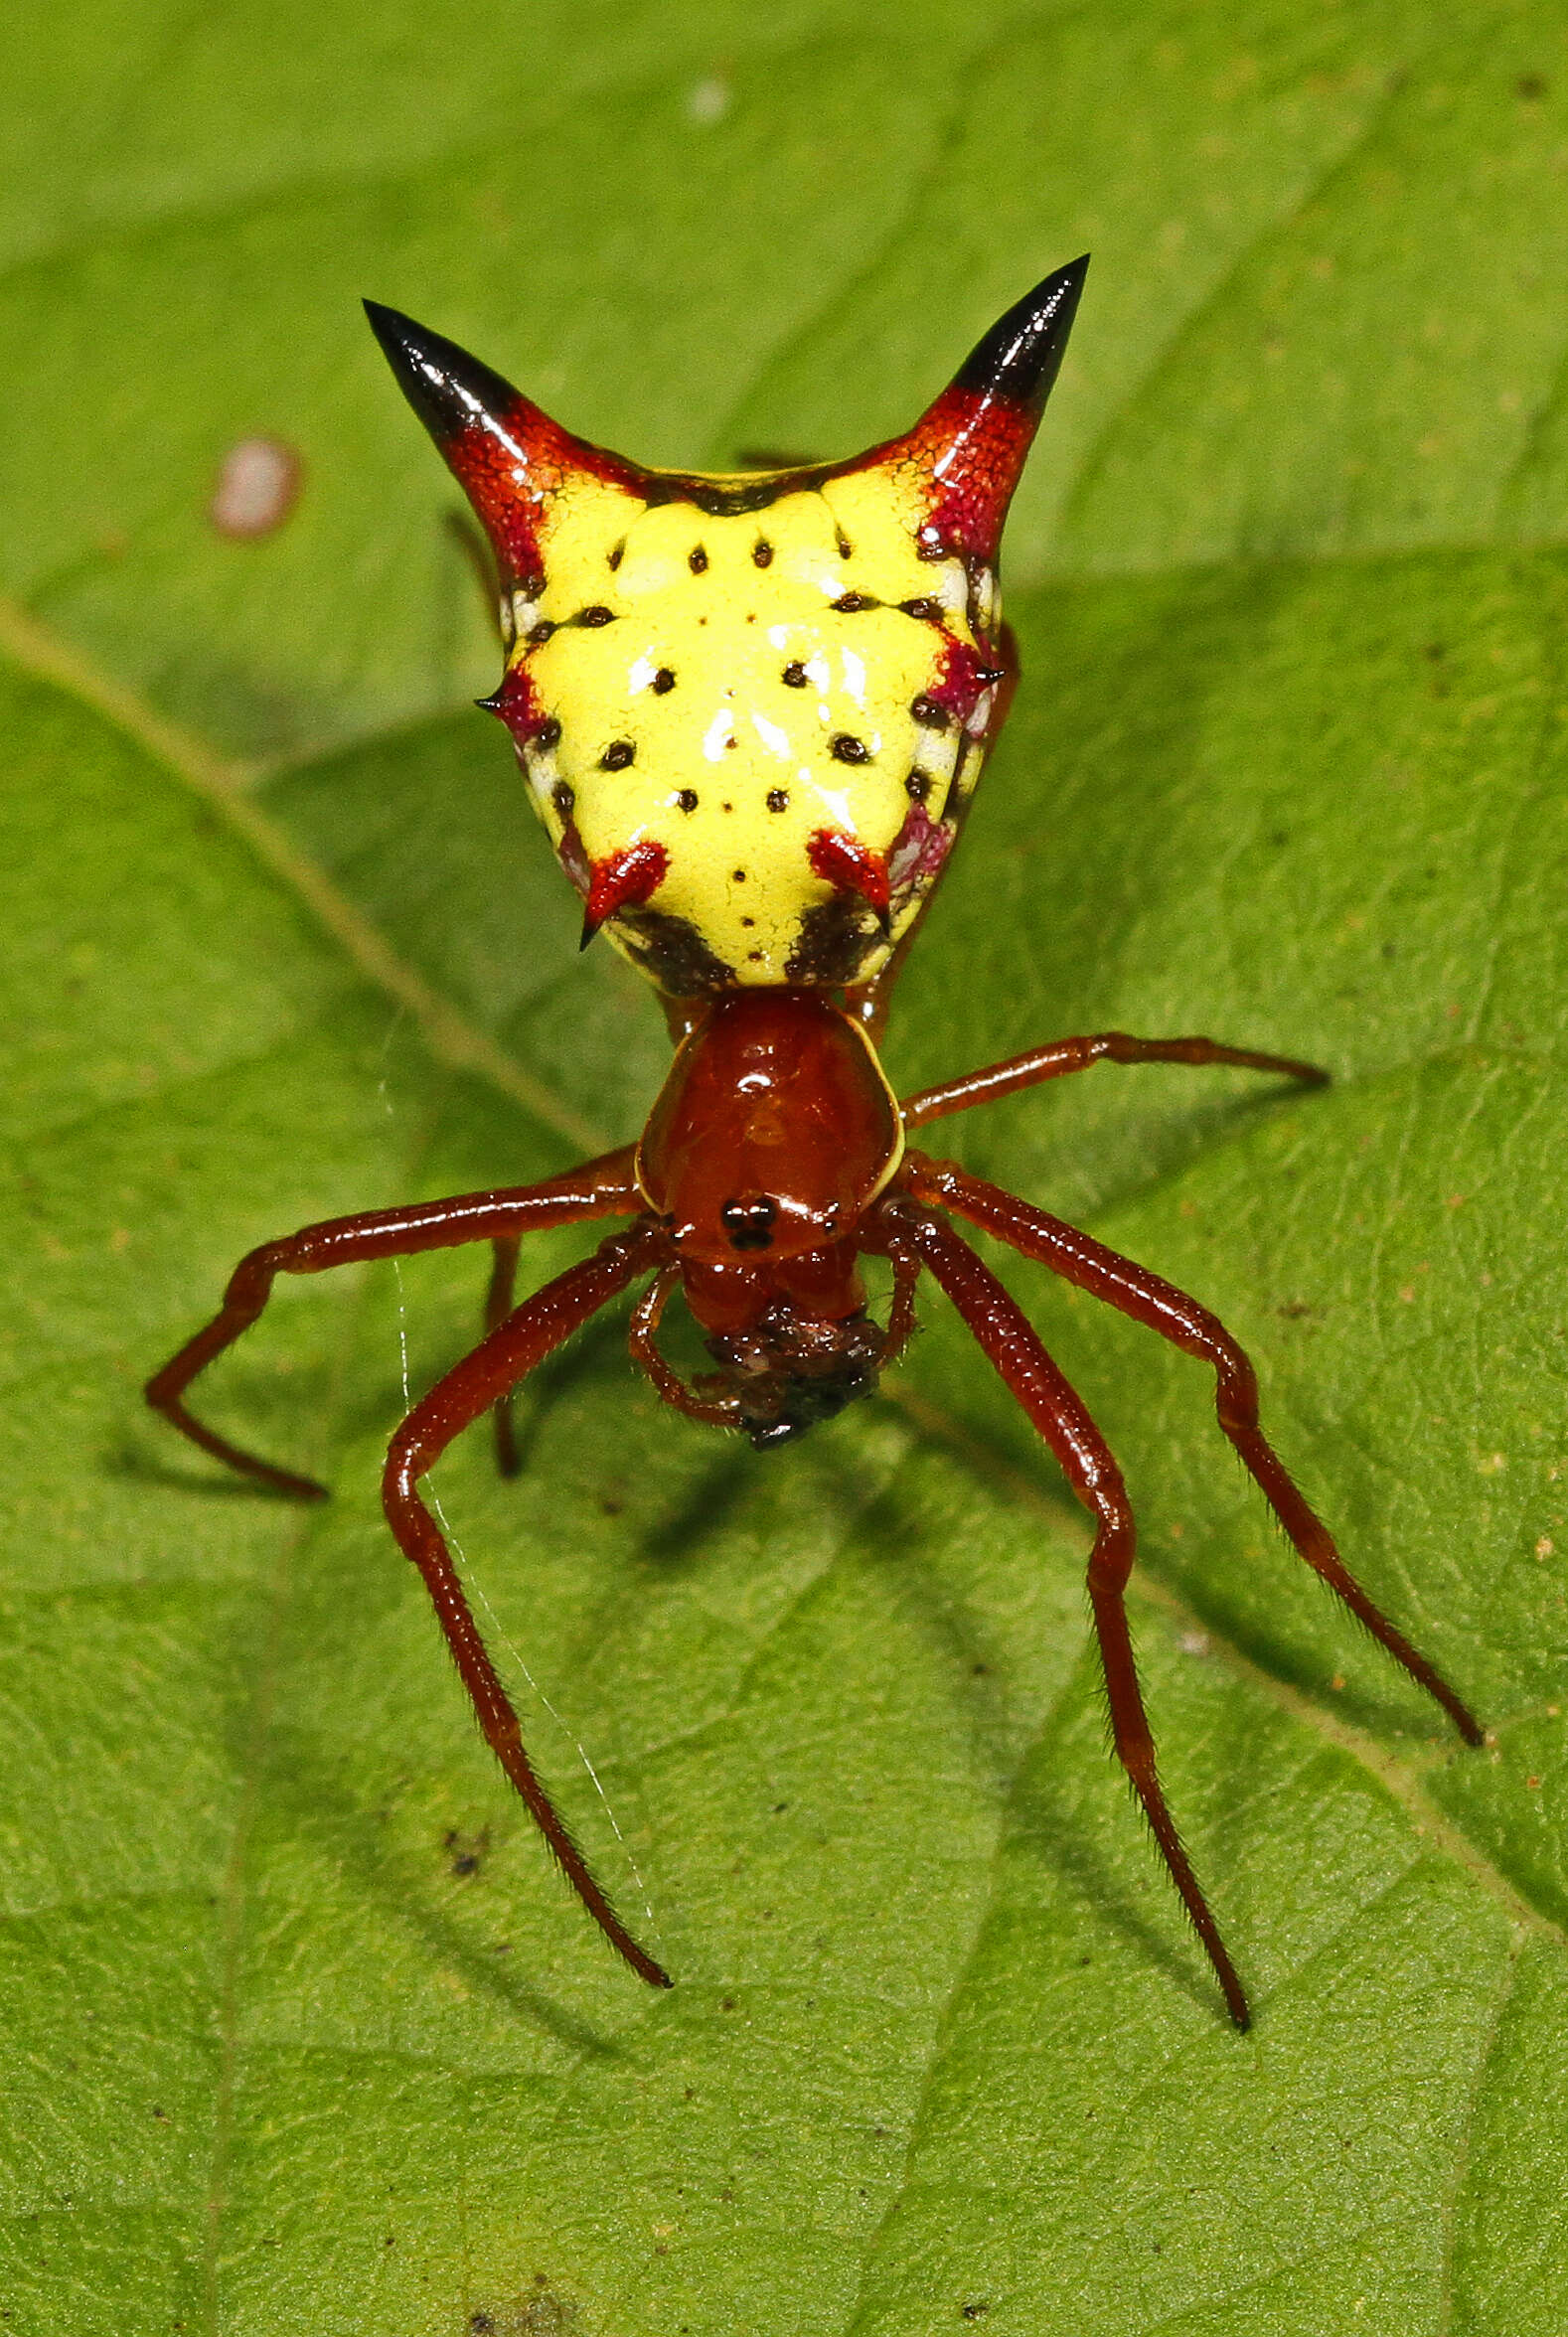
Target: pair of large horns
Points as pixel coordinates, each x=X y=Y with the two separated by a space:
x=968 y=447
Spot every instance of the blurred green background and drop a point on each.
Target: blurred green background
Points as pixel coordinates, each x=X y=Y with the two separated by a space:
x=301 y=2031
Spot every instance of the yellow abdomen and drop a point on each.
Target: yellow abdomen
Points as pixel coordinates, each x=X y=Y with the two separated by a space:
x=734 y=690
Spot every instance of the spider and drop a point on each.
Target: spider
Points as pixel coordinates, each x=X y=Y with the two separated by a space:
x=750 y=709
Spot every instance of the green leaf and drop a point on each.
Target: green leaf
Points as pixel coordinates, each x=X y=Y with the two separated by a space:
x=303 y=2032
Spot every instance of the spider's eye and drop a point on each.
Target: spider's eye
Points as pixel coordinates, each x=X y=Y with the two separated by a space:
x=749 y=1223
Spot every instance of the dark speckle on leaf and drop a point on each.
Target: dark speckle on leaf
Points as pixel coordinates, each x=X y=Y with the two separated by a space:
x=465 y=1852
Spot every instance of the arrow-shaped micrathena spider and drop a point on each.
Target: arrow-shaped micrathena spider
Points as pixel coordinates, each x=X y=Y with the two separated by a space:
x=750 y=710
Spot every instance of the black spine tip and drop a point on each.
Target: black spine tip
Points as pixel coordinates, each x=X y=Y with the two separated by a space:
x=448 y=389
x=590 y=926
x=1020 y=357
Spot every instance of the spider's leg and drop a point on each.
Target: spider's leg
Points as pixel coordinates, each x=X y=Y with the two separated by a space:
x=605 y=1187
x=667 y=1385
x=901 y=1313
x=499 y=1299
x=1012 y=1347
x=1134 y=1290
x=471 y=1388
x=1076 y=1054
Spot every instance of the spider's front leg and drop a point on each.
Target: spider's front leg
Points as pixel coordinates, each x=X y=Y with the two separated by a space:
x=471 y=1388
x=1013 y=1346
x=499 y=1298
x=1133 y=1290
x=605 y=1187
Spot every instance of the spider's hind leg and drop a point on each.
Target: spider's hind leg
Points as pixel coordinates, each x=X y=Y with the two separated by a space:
x=1065 y=1055
x=604 y=1187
